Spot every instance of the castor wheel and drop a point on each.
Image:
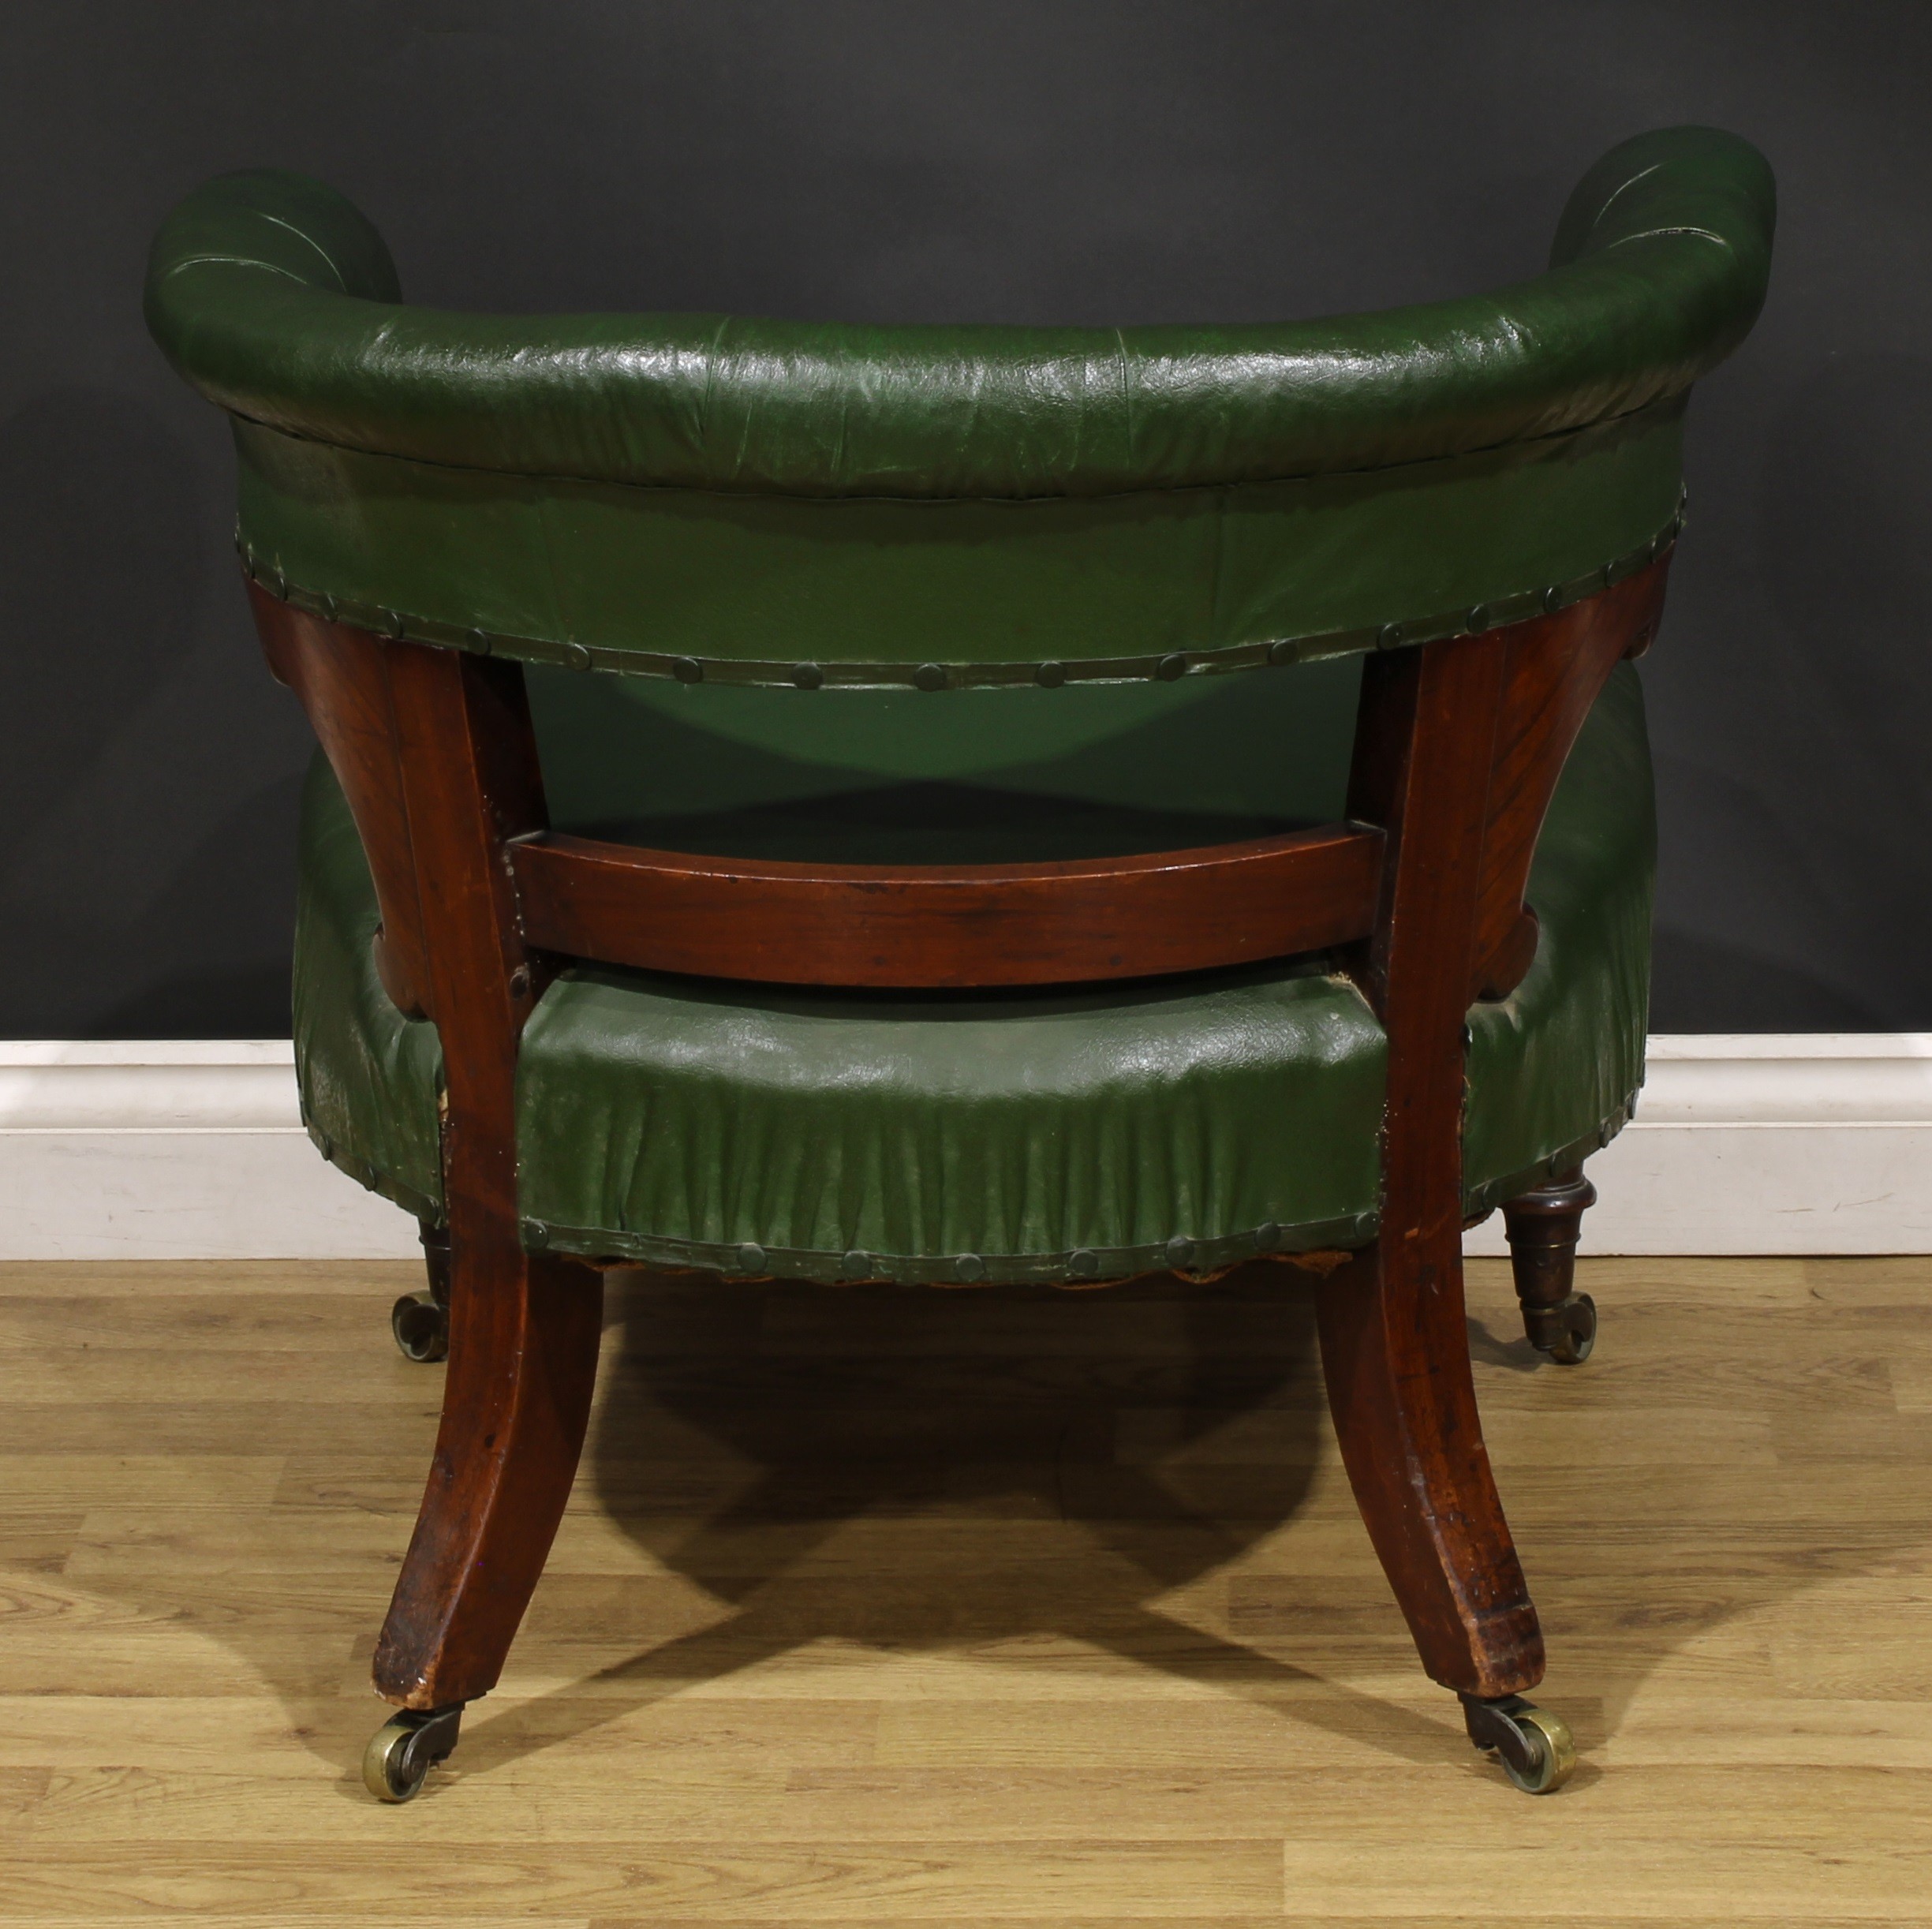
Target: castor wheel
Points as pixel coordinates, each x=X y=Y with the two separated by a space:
x=420 y=1320
x=1565 y=1331
x=421 y=1326
x=1542 y=1225
x=1534 y=1746
x=406 y=1748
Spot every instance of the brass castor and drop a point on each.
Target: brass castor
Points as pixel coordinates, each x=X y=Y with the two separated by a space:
x=401 y=1752
x=422 y=1327
x=1534 y=1746
x=420 y=1320
x=1565 y=1331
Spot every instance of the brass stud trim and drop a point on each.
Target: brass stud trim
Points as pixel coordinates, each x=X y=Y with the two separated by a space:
x=1050 y=674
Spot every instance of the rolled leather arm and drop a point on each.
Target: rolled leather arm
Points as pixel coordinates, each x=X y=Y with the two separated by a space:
x=278 y=300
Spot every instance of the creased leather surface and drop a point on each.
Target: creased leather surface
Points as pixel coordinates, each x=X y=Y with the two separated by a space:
x=703 y=1123
x=277 y=299
x=550 y=569
x=368 y=1077
x=593 y=489
x=694 y=496
x=1563 y=1053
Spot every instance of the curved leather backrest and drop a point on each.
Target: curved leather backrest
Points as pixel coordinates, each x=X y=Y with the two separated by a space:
x=276 y=298
x=577 y=488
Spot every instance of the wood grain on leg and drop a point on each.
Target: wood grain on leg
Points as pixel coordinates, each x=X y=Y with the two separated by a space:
x=1554 y=670
x=523 y=1330
x=523 y=1353
x=1393 y=1344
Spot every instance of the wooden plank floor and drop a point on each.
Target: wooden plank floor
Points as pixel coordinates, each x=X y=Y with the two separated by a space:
x=997 y=1607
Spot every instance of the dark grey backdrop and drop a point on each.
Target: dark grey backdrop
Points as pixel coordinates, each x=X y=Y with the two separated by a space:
x=1040 y=160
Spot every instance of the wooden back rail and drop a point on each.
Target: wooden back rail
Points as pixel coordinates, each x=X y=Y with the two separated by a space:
x=962 y=925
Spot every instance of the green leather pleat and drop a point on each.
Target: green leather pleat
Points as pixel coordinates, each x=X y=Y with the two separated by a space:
x=955 y=1138
x=368 y=1077
x=1563 y=1055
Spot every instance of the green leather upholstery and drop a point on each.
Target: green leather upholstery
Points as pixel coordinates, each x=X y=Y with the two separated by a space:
x=950 y=1137
x=714 y=498
x=277 y=300
x=713 y=508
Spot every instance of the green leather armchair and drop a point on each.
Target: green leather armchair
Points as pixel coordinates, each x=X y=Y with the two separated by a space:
x=961 y=804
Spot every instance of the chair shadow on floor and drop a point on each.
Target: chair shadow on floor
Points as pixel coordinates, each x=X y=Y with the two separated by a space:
x=1489 y=1348
x=1005 y=1472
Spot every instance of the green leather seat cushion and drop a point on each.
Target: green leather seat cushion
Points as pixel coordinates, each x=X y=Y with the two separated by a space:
x=951 y=1137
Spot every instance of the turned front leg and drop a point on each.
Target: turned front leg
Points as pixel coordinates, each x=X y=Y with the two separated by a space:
x=1542 y=1228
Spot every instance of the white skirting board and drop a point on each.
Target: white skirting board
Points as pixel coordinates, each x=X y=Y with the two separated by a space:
x=1805 y=1142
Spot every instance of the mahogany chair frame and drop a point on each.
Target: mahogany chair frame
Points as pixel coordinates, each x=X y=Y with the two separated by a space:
x=1459 y=745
